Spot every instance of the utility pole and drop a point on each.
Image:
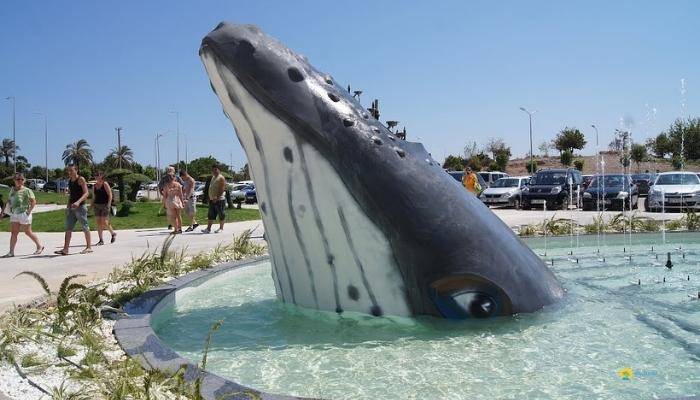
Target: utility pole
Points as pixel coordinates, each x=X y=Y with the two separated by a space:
x=14 y=133
x=119 y=145
x=46 y=142
x=177 y=140
x=530 y=114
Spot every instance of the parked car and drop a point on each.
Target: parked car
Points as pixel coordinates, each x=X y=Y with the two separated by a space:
x=198 y=192
x=675 y=191
x=615 y=191
x=250 y=196
x=550 y=188
x=490 y=177
x=643 y=182
x=36 y=184
x=505 y=192
x=458 y=175
x=238 y=191
x=58 y=186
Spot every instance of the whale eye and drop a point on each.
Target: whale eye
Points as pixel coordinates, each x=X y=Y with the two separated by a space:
x=477 y=304
x=468 y=296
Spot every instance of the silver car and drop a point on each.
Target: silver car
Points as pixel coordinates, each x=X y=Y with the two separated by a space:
x=505 y=192
x=675 y=190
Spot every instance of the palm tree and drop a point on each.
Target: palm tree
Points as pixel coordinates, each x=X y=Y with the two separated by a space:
x=121 y=157
x=78 y=153
x=7 y=150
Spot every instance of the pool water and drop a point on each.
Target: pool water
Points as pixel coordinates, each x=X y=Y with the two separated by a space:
x=609 y=328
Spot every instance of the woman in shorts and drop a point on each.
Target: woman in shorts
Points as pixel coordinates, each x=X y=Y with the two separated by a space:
x=174 y=202
x=101 y=206
x=21 y=203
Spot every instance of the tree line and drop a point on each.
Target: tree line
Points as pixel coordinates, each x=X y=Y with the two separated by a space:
x=678 y=144
x=120 y=166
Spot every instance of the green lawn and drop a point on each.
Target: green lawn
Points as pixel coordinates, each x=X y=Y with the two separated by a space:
x=142 y=215
x=41 y=197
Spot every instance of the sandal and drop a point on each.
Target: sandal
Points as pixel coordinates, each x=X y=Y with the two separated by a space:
x=86 y=251
x=114 y=238
x=100 y=243
x=8 y=255
x=39 y=251
x=61 y=252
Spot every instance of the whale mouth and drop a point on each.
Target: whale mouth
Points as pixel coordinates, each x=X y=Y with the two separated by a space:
x=469 y=296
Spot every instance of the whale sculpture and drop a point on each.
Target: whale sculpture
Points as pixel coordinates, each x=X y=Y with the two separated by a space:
x=357 y=219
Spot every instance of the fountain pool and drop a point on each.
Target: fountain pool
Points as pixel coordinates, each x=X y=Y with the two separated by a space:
x=628 y=329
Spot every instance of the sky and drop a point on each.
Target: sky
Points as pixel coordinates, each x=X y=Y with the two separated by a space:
x=452 y=72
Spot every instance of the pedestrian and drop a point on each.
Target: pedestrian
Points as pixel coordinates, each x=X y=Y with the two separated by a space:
x=21 y=203
x=471 y=181
x=170 y=170
x=217 y=200
x=101 y=206
x=190 y=199
x=172 y=192
x=76 y=210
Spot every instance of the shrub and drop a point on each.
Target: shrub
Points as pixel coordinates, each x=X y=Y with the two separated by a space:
x=532 y=166
x=566 y=158
x=124 y=209
x=579 y=165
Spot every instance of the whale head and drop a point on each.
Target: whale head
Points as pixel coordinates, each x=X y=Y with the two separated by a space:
x=356 y=218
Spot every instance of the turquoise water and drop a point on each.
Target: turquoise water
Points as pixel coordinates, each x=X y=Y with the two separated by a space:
x=574 y=351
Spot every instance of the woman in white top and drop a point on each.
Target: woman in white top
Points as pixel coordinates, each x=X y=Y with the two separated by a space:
x=20 y=205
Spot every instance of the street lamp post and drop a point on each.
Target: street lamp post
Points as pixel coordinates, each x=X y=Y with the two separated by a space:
x=14 y=133
x=530 y=114
x=119 y=145
x=177 y=140
x=46 y=143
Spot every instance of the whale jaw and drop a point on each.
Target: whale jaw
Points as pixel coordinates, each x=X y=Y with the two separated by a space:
x=326 y=253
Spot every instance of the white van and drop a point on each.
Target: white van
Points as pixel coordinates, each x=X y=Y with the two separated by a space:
x=491 y=176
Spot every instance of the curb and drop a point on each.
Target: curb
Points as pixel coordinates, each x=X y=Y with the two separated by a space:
x=138 y=340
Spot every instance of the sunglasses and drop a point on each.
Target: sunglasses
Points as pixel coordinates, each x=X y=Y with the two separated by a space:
x=19 y=179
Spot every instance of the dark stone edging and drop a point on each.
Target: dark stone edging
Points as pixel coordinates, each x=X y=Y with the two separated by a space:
x=138 y=340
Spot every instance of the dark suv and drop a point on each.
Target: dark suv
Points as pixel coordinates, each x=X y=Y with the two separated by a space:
x=551 y=187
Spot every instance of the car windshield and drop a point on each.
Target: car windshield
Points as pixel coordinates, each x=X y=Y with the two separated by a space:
x=506 y=182
x=549 y=178
x=677 y=179
x=637 y=177
x=609 y=181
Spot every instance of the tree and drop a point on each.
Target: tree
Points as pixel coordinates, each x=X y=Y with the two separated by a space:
x=569 y=139
x=7 y=150
x=454 y=163
x=578 y=164
x=566 y=158
x=121 y=157
x=638 y=153
x=77 y=153
x=688 y=132
x=479 y=161
x=494 y=145
x=544 y=148
x=202 y=166
x=501 y=157
x=659 y=146
x=150 y=171
x=37 y=171
x=23 y=164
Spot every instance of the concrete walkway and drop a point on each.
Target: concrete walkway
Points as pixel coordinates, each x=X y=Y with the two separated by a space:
x=100 y=263
x=135 y=242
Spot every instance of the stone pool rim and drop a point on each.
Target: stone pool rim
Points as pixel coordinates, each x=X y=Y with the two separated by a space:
x=139 y=341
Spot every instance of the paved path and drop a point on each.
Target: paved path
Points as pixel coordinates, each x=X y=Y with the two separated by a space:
x=96 y=265
x=135 y=242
